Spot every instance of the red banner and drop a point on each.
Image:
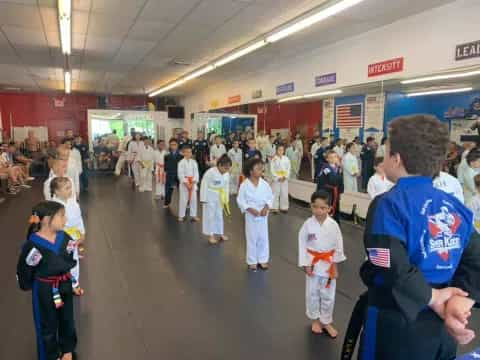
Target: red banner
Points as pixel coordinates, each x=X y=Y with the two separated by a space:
x=234 y=99
x=386 y=67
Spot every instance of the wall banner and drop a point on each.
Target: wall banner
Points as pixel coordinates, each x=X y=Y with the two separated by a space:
x=285 y=88
x=467 y=51
x=386 y=67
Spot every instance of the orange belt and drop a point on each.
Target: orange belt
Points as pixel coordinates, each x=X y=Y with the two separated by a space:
x=161 y=173
x=189 y=187
x=328 y=258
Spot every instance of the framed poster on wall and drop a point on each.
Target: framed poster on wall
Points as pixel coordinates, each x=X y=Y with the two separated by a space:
x=349 y=133
x=459 y=127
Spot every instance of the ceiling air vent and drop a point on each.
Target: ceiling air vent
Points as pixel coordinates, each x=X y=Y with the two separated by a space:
x=180 y=62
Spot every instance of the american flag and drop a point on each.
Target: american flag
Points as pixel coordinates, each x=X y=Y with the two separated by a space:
x=349 y=116
x=379 y=257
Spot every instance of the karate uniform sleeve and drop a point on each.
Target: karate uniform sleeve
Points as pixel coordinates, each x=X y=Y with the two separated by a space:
x=389 y=265
x=196 y=175
x=46 y=189
x=29 y=258
x=268 y=195
x=303 y=258
x=468 y=181
x=339 y=255
x=181 y=171
x=227 y=184
x=467 y=276
x=371 y=187
x=204 y=186
x=274 y=168
x=288 y=167
x=80 y=223
x=242 y=199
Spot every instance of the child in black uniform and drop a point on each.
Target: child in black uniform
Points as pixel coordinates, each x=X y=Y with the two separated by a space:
x=44 y=267
x=330 y=179
x=171 y=169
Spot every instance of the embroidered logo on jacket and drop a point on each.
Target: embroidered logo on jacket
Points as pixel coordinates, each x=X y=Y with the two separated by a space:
x=34 y=257
x=443 y=228
x=312 y=237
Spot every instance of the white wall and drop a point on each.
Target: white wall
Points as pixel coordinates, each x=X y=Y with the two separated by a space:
x=427 y=42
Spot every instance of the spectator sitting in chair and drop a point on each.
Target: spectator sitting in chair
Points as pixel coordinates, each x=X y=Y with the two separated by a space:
x=15 y=157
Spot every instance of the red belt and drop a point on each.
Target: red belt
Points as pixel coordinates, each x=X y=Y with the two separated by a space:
x=328 y=258
x=190 y=187
x=161 y=174
x=55 y=280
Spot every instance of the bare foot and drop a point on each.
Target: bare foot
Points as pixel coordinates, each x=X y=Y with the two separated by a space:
x=224 y=238
x=166 y=206
x=67 y=356
x=195 y=219
x=317 y=327
x=180 y=219
x=331 y=331
x=252 y=267
x=212 y=240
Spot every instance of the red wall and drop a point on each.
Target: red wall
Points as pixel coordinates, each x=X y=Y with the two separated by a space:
x=37 y=109
x=303 y=117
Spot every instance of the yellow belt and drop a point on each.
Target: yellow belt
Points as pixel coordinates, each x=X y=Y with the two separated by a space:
x=477 y=224
x=147 y=164
x=224 y=199
x=281 y=173
x=74 y=233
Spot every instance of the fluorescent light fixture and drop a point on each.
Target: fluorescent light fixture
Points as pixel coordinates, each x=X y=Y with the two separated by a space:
x=442 y=77
x=240 y=53
x=438 y=92
x=65 y=23
x=291 y=98
x=324 y=93
x=323 y=14
x=166 y=88
x=199 y=72
x=68 y=82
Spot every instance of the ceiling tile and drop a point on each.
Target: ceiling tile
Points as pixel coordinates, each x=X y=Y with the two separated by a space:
x=50 y=18
x=168 y=11
x=112 y=7
x=20 y=15
x=25 y=37
x=132 y=51
x=111 y=26
x=102 y=45
x=149 y=30
x=80 y=21
x=223 y=11
x=81 y=4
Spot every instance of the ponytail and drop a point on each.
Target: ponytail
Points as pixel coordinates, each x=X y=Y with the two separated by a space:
x=39 y=212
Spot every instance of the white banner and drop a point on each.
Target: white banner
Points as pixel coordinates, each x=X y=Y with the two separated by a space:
x=328 y=116
x=374 y=112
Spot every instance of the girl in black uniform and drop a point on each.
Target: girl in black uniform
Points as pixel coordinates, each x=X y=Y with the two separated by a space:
x=44 y=267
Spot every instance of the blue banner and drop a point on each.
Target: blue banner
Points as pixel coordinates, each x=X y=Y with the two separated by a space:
x=327 y=79
x=285 y=88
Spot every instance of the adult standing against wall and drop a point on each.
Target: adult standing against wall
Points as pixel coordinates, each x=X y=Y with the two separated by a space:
x=368 y=158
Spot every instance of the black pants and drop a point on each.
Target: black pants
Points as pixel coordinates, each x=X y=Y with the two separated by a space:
x=388 y=336
x=55 y=328
x=170 y=184
x=84 y=179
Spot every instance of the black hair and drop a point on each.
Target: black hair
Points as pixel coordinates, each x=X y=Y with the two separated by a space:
x=160 y=141
x=476 y=180
x=370 y=138
x=383 y=140
x=249 y=165
x=57 y=183
x=172 y=140
x=473 y=155
x=186 y=146
x=224 y=160
x=320 y=194
x=67 y=139
x=377 y=161
x=43 y=209
x=348 y=147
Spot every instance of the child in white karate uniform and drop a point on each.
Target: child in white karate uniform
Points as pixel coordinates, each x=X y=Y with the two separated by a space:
x=188 y=177
x=214 y=196
x=134 y=148
x=160 y=175
x=236 y=155
x=217 y=150
x=280 y=169
x=378 y=183
x=320 y=248
x=474 y=203
x=61 y=192
x=59 y=169
x=254 y=200
x=146 y=161
x=295 y=157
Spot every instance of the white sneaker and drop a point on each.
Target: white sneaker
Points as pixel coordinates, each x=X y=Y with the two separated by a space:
x=30 y=178
x=25 y=186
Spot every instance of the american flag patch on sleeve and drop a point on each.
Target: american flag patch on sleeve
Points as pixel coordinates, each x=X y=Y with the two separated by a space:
x=379 y=257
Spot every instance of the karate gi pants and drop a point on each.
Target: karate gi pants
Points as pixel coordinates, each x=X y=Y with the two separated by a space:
x=170 y=185
x=212 y=218
x=120 y=163
x=136 y=170
x=159 y=189
x=280 y=195
x=388 y=336
x=320 y=300
x=146 y=179
x=234 y=183
x=256 y=231
x=183 y=201
x=55 y=328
